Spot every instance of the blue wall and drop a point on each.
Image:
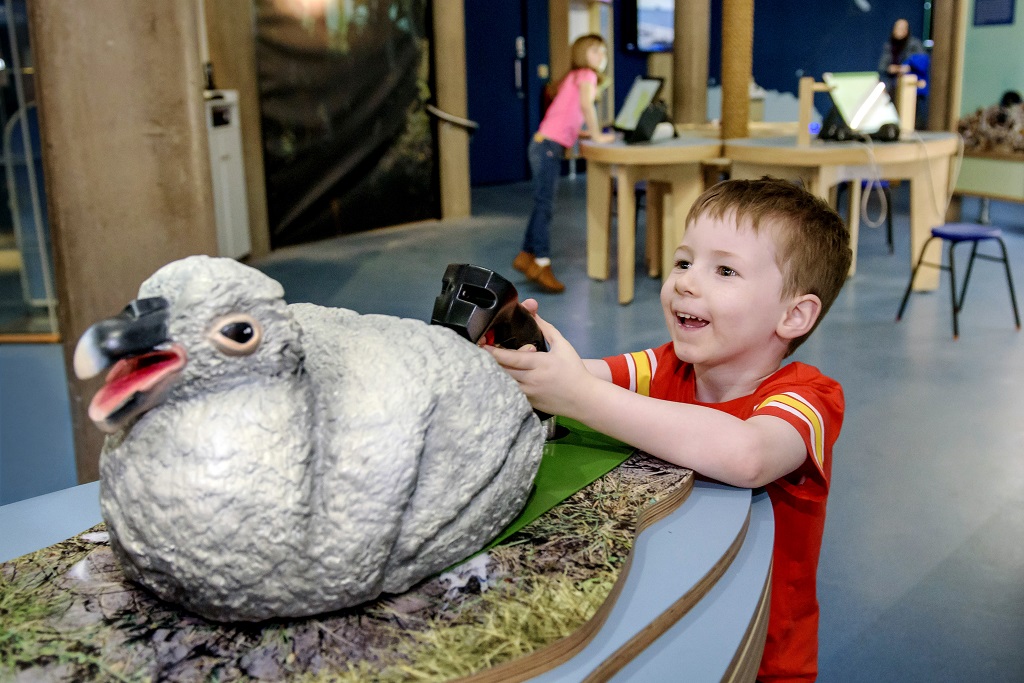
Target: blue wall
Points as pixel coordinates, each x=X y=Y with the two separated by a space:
x=37 y=452
x=793 y=38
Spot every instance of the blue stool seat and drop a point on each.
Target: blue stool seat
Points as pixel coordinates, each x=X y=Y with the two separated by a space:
x=966 y=232
x=953 y=234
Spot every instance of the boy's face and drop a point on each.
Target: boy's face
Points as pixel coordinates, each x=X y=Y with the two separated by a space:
x=723 y=299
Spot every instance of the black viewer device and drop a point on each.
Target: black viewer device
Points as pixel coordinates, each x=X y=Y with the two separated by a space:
x=479 y=304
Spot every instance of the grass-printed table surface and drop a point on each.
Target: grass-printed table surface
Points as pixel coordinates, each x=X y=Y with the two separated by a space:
x=67 y=613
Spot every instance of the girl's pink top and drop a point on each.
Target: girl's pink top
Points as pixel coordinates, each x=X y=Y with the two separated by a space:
x=564 y=117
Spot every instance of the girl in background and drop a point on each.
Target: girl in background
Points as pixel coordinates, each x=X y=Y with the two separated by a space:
x=571 y=108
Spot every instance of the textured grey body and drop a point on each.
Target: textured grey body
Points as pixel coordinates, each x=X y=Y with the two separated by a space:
x=350 y=455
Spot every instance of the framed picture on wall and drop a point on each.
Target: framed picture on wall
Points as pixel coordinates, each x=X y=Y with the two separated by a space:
x=993 y=12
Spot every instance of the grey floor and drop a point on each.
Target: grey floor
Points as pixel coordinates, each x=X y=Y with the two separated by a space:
x=922 y=570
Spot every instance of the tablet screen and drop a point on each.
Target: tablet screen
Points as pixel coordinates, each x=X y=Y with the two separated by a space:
x=641 y=93
x=861 y=100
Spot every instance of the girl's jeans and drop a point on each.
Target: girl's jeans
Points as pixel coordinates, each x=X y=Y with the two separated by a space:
x=545 y=164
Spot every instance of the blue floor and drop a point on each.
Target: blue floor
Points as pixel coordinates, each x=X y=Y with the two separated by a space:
x=922 y=571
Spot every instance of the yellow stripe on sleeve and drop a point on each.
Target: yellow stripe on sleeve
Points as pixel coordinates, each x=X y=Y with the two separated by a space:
x=643 y=372
x=794 y=404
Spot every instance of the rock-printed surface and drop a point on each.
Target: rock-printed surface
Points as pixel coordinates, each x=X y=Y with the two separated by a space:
x=274 y=460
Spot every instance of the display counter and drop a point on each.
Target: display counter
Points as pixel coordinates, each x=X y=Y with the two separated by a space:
x=693 y=600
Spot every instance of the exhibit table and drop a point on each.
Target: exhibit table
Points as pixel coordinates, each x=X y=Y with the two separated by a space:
x=675 y=162
x=924 y=159
x=693 y=599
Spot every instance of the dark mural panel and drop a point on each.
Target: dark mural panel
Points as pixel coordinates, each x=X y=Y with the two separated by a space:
x=347 y=143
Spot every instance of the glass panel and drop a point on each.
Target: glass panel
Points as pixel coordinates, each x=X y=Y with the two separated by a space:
x=347 y=144
x=27 y=300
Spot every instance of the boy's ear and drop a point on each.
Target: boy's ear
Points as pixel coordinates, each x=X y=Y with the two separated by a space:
x=800 y=316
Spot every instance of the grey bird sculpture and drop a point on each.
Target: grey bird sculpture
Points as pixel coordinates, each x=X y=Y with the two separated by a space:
x=274 y=460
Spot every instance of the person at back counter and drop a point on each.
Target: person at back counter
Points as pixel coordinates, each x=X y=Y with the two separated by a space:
x=896 y=51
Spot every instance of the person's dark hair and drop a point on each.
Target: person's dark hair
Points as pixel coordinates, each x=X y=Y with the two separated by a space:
x=1010 y=98
x=812 y=242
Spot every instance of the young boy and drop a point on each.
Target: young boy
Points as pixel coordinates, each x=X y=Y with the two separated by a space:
x=758 y=267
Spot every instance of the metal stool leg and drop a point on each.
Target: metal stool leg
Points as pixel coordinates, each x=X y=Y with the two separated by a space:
x=1009 y=281
x=967 y=277
x=888 y=217
x=913 y=274
x=952 y=291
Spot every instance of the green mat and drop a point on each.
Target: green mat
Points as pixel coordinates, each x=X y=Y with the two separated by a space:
x=569 y=463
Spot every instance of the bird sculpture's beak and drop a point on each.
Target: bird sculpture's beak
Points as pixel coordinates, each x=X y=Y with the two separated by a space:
x=145 y=362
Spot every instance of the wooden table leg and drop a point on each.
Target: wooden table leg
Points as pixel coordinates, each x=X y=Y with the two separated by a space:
x=686 y=187
x=655 y=224
x=626 y=220
x=853 y=221
x=929 y=185
x=598 y=220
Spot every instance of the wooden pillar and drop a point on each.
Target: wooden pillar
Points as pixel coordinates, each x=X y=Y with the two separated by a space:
x=231 y=35
x=737 y=66
x=947 y=64
x=558 y=32
x=126 y=159
x=450 y=83
x=690 y=61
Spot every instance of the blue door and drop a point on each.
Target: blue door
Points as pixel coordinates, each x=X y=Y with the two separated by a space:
x=505 y=42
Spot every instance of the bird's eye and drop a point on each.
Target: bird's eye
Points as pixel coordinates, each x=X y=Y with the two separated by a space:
x=237 y=334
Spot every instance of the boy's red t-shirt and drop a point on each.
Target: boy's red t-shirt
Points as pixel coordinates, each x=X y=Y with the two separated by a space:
x=813 y=404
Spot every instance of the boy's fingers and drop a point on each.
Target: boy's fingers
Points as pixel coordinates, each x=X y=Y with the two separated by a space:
x=531 y=305
x=550 y=332
x=514 y=360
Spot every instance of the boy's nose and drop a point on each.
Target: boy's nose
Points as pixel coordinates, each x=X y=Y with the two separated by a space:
x=687 y=282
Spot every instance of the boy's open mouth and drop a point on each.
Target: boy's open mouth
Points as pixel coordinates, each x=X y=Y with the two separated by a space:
x=691 y=321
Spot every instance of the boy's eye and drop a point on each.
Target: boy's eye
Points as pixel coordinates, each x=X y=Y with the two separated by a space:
x=682 y=264
x=726 y=271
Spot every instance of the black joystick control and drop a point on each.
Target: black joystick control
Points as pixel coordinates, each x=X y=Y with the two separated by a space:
x=479 y=304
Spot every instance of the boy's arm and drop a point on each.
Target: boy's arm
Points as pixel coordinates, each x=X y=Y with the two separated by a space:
x=598 y=368
x=748 y=453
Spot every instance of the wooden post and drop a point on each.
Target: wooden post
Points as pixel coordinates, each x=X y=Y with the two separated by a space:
x=450 y=82
x=946 y=65
x=690 y=61
x=126 y=158
x=805 y=103
x=906 y=101
x=737 y=59
x=558 y=37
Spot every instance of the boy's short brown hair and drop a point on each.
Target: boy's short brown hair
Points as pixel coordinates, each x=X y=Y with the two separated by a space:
x=811 y=239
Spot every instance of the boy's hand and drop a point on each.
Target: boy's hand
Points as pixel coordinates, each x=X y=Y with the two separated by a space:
x=551 y=380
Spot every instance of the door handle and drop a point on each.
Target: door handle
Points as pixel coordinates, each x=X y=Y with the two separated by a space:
x=520 y=56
